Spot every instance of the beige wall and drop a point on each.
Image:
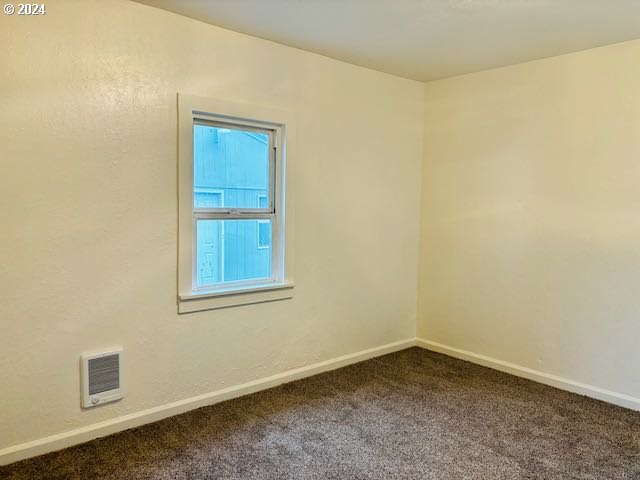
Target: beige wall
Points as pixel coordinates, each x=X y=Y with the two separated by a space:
x=530 y=249
x=88 y=181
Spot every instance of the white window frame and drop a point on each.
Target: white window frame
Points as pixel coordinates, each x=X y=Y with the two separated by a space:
x=280 y=126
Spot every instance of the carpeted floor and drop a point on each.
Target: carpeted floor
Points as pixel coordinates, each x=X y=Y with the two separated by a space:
x=409 y=415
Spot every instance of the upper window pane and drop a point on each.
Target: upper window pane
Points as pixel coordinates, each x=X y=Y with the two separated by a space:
x=231 y=167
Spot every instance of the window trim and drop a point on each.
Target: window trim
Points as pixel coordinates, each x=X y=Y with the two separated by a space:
x=194 y=110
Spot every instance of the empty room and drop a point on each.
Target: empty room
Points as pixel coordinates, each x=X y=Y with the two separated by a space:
x=328 y=240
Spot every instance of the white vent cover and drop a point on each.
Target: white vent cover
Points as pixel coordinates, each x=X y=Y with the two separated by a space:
x=101 y=378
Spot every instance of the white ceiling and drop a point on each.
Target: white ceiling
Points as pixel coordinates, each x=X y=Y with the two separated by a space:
x=424 y=39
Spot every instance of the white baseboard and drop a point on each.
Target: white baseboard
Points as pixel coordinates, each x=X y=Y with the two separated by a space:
x=84 y=434
x=592 y=391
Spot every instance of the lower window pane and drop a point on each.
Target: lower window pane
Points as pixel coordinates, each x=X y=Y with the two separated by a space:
x=232 y=250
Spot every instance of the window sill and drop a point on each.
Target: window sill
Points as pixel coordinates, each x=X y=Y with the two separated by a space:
x=231 y=297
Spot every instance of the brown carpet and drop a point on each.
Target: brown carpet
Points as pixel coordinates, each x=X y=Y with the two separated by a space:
x=409 y=415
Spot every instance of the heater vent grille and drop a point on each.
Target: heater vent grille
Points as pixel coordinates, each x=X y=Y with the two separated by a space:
x=101 y=377
x=104 y=374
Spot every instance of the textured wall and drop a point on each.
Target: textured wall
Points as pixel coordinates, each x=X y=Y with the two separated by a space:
x=530 y=248
x=88 y=179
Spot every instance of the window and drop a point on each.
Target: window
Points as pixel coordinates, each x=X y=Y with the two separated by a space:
x=232 y=222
